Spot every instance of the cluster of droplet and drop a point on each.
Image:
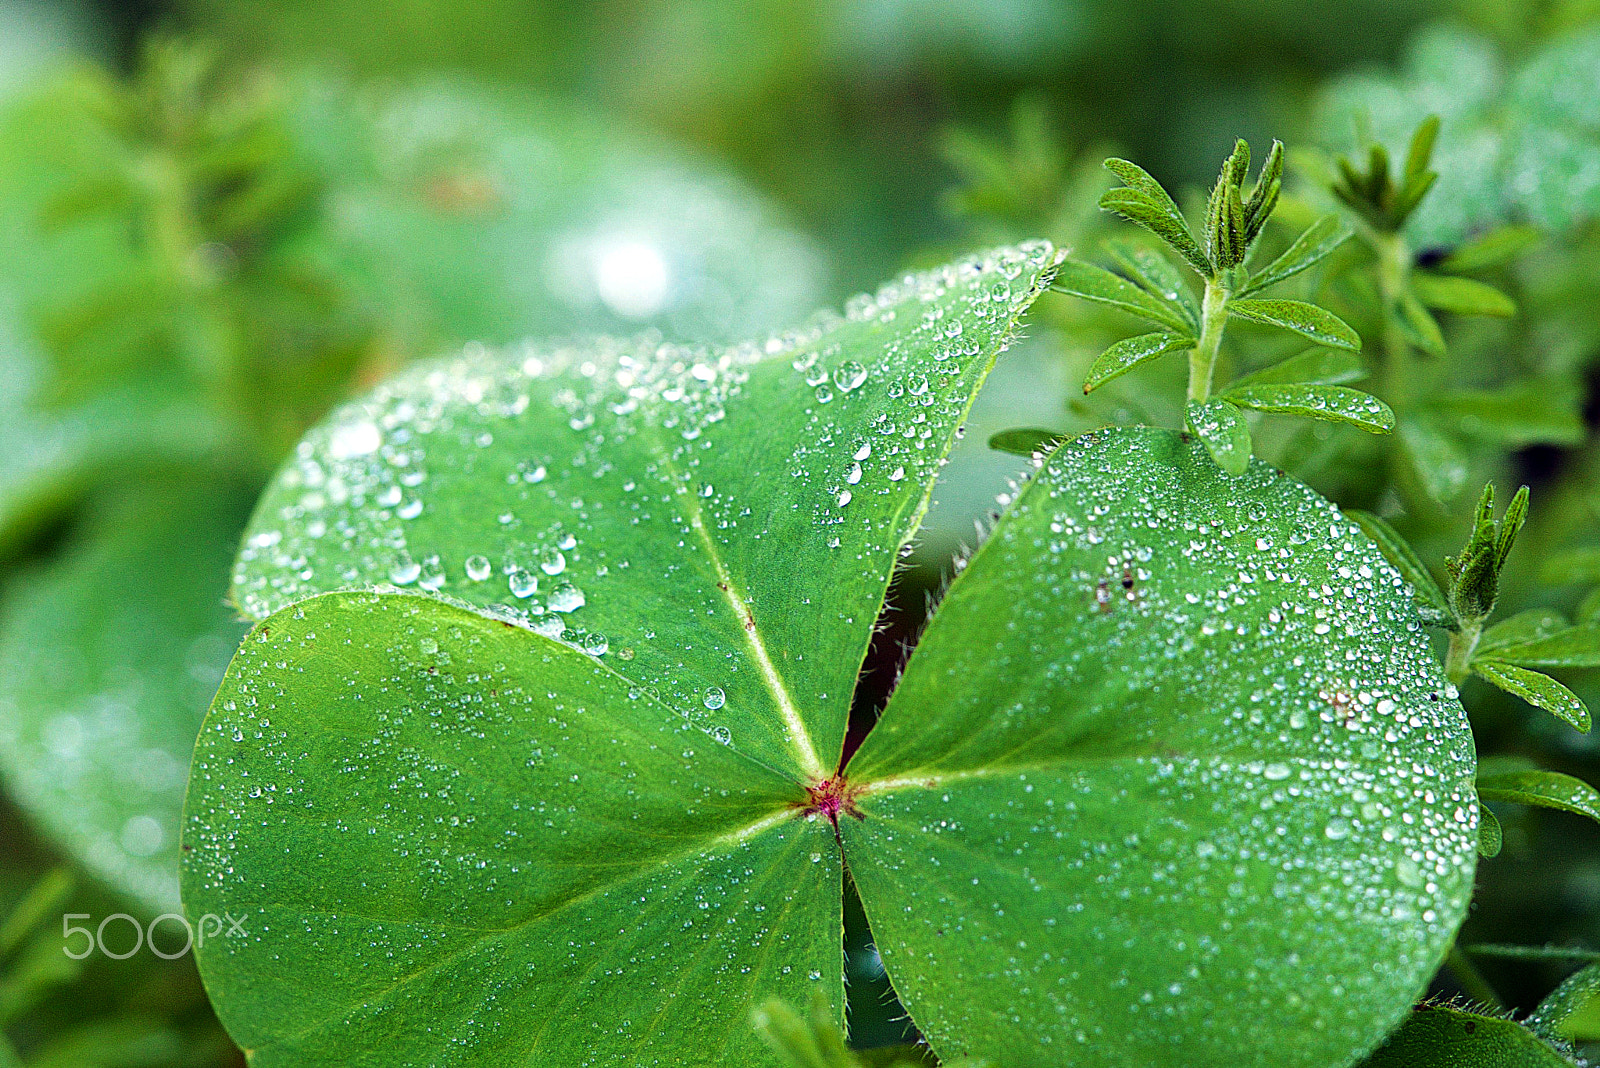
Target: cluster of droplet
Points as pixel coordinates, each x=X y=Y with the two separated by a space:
x=551 y=485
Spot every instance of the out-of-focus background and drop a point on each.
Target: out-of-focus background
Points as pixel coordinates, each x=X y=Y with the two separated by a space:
x=219 y=217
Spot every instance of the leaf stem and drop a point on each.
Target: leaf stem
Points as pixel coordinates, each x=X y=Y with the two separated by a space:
x=1463 y=643
x=1203 y=357
x=1394 y=270
x=1471 y=981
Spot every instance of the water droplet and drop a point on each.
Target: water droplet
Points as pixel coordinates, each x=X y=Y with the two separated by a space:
x=405 y=571
x=849 y=375
x=714 y=698
x=566 y=598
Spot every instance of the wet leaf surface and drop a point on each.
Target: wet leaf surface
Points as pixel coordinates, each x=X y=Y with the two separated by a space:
x=1086 y=825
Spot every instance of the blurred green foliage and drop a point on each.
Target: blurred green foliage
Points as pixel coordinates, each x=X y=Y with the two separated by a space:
x=218 y=218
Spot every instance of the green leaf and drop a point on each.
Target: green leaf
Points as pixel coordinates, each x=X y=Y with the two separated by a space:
x=1554 y=1015
x=800 y=1042
x=1475 y=572
x=1510 y=526
x=1338 y=404
x=1026 y=441
x=1095 y=759
x=1571 y=566
x=108 y=655
x=49 y=456
x=1223 y=431
x=1461 y=296
x=1129 y=353
x=407 y=797
x=1313 y=246
x=1588 y=610
x=1573 y=647
x=1399 y=552
x=1263 y=198
x=1323 y=367
x=1420 y=152
x=1444 y=1036
x=1227 y=233
x=1085 y=280
x=1436 y=457
x=1528 y=413
x=1518 y=144
x=817 y=1041
x=1150 y=206
x=1490 y=837
x=1543 y=789
x=492 y=217
x=1156 y=274
x=1531 y=625
x=45 y=900
x=1419 y=326
x=1537 y=689
x=1307 y=320
x=1552 y=144
x=1493 y=249
x=1152 y=215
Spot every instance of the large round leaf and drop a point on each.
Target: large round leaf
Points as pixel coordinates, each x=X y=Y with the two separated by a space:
x=486 y=840
x=1171 y=767
x=108 y=655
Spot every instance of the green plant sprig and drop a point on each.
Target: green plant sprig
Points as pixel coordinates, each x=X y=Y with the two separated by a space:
x=1154 y=289
x=200 y=167
x=1381 y=205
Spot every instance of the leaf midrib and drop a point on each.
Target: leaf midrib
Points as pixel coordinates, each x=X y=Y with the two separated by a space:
x=794 y=726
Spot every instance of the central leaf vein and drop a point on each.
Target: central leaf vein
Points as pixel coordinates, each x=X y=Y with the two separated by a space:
x=794 y=725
